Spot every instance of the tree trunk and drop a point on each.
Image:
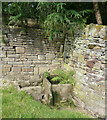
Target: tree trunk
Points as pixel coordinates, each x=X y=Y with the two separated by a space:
x=97 y=13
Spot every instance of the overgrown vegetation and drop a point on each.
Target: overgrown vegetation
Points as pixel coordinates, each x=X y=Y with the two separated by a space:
x=18 y=104
x=56 y=18
x=60 y=77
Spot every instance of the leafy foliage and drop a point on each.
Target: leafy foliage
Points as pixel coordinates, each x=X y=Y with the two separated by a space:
x=64 y=77
x=54 y=17
x=63 y=22
x=46 y=74
x=60 y=77
x=56 y=79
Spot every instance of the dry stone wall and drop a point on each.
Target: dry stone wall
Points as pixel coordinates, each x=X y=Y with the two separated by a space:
x=88 y=61
x=25 y=57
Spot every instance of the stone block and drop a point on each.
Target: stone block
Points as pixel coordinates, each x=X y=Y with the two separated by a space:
x=32 y=57
x=27 y=63
x=13 y=55
x=35 y=92
x=36 y=70
x=6 y=68
x=35 y=80
x=97 y=47
x=9 y=59
x=16 y=69
x=54 y=66
x=47 y=91
x=81 y=59
x=43 y=69
x=40 y=62
x=10 y=52
x=2 y=54
x=50 y=56
x=64 y=91
x=41 y=57
x=27 y=69
x=20 y=49
x=24 y=84
x=97 y=66
x=15 y=63
x=55 y=61
x=90 y=64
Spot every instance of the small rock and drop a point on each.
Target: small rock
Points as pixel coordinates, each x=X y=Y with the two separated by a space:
x=91 y=63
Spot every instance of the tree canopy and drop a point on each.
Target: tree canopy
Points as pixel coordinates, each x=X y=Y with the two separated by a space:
x=57 y=18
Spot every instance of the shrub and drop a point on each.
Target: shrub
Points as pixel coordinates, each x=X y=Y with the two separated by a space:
x=56 y=79
x=66 y=77
x=60 y=77
x=46 y=74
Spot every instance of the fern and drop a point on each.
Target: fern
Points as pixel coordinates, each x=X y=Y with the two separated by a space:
x=63 y=77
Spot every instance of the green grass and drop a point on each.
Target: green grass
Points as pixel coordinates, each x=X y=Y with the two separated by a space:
x=18 y=104
x=0 y=103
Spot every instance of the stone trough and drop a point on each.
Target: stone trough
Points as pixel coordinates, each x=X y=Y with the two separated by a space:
x=49 y=93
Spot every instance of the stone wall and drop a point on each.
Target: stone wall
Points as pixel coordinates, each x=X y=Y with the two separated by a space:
x=25 y=57
x=88 y=61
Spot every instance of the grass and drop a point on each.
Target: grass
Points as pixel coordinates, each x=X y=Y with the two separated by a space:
x=18 y=104
x=0 y=103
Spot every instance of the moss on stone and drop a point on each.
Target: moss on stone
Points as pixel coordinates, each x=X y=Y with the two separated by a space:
x=99 y=27
x=105 y=37
x=84 y=36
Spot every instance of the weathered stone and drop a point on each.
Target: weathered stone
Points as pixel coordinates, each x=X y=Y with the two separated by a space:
x=27 y=63
x=41 y=57
x=36 y=79
x=103 y=32
x=27 y=69
x=13 y=55
x=10 y=52
x=20 y=49
x=35 y=92
x=47 y=91
x=50 y=56
x=23 y=84
x=2 y=54
x=56 y=61
x=97 y=47
x=6 y=68
x=65 y=91
x=86 y=56
x=81 y=59
x=43 y=69
x=16 y=69
x=97 y=66
x=9 y=59
x=36 y=70
x=90 y=64
x=32 y=58
x=39 y=62
x=54 y=66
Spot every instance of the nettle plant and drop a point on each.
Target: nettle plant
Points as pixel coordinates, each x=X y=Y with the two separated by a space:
x=59 y=76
